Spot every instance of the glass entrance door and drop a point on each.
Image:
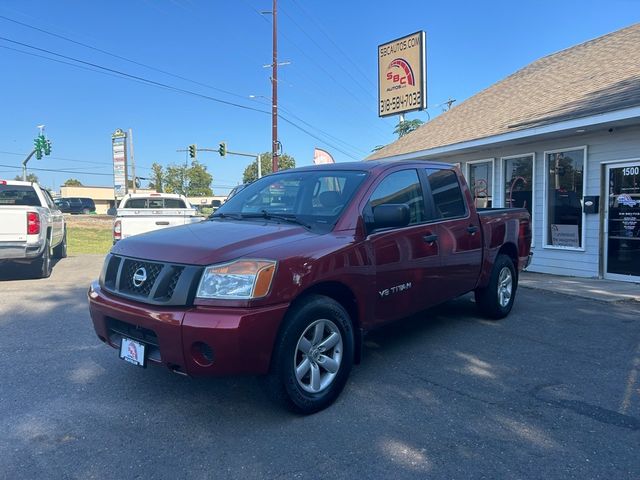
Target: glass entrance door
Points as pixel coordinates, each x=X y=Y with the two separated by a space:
x=623 y=222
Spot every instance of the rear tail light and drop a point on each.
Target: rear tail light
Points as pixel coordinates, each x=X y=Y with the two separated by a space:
x=33 y=223
x=117 y=230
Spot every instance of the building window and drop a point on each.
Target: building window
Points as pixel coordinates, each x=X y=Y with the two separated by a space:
x=480 y=176
x=564 y=192
x=519 y=189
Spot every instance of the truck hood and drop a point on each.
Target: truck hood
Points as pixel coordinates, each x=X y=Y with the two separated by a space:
x=210 y=242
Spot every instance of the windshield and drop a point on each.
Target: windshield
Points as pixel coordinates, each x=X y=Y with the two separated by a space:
x=313 y=198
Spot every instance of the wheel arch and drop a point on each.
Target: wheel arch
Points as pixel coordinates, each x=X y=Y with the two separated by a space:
x=342 y=294
x=510 y=250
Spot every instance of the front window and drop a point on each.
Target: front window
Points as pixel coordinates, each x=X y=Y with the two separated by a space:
x=565 y=183
x=313 y=198
x=401 y=187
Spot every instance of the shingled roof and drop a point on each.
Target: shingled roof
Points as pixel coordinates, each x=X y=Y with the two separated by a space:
x=598 y=76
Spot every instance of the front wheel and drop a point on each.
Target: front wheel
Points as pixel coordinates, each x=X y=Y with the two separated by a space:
x=313 y=355
x=496 y=299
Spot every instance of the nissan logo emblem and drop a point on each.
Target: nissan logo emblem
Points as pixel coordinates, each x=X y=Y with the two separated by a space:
x=139 y=277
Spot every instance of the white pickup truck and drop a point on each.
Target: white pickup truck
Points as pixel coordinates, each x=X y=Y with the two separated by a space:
x=141 y=213
x=32 y=227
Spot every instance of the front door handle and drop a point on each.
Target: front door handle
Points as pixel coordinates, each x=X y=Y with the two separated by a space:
x=472 y=229
x=430 y=238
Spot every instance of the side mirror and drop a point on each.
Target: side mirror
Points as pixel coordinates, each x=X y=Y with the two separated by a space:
x=391 y=215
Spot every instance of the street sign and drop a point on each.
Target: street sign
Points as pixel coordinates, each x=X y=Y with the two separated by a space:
x=402 y=75
x=119 y=150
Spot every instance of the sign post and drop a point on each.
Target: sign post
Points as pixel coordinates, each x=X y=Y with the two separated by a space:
x=402 y=75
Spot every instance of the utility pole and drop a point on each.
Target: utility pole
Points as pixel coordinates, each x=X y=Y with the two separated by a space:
x=274 y=93
x=133 y=162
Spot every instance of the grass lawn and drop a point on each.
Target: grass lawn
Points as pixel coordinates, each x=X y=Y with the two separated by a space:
x=89 y=234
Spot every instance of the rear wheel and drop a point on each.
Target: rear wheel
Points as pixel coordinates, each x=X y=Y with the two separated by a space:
x=313 y=356
x=496 y=299
x=42 y=265
x=61 y=250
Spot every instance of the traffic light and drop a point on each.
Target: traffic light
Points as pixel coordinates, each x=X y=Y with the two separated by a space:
x=222 y=150
x=38 y=144
x=192 y=151
x=47 y=147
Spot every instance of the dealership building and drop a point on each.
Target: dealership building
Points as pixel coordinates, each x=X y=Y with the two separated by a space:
x=561 y=138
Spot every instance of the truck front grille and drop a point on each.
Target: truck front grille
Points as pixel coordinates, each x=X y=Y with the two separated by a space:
x=150 y=282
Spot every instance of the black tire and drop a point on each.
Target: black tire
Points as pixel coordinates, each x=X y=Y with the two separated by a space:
x=42 y=265
x=60 y=251
x=86 y=211
x=496 y=299
x=282 y=384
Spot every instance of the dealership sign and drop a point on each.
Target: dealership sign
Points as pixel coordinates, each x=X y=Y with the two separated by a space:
x=402 y=75
x=119 y=149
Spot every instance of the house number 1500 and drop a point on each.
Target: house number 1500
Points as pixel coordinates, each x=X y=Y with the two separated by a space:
x=631 y=171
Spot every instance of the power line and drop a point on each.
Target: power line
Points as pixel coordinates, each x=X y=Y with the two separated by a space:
x=157 y=84
x=128 y=75
x=60 y=171
x=106 y=52
x=364 y=89
x=295 y=125
x=312 y=79
x=335 y=44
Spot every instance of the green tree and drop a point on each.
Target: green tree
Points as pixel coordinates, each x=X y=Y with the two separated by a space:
x=157 y=177
x=31 y=177
x=251 y=172
x=192 y=181
x=72 y=182
x=408 y=126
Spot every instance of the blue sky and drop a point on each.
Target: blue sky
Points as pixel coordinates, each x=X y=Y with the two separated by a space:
x=329 y=89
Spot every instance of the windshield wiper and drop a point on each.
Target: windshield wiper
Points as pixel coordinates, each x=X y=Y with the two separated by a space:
x=274 y=216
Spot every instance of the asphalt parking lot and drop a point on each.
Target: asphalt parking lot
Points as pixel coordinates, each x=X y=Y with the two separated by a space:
x=550 y=392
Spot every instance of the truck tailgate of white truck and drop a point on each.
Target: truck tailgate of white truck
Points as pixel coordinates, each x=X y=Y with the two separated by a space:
x=14 y=224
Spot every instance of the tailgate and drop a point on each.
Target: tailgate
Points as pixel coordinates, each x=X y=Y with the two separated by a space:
x=136 y=222
x=14 y=224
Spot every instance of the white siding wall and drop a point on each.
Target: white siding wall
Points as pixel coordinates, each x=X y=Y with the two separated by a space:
x=602 y=147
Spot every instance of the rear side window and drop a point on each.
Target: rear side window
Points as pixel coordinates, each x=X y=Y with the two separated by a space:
x=401 y=187
x=174 y=203
x=447 y=195
x=19 y=195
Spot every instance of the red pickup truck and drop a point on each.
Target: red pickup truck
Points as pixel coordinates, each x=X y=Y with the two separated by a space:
x=286 y=277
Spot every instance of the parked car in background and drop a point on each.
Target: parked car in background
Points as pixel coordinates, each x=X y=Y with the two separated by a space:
x=76 y=205
x=288 y=275
x=141 y=213
x=216 y=204
x=32 y=227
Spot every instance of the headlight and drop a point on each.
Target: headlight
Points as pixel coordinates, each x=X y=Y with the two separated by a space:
x=239 y=279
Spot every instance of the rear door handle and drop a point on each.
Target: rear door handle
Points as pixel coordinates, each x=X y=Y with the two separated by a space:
x=472 y=229
x=430 y=238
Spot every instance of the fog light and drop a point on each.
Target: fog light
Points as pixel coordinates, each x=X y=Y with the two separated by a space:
x=202 y=354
